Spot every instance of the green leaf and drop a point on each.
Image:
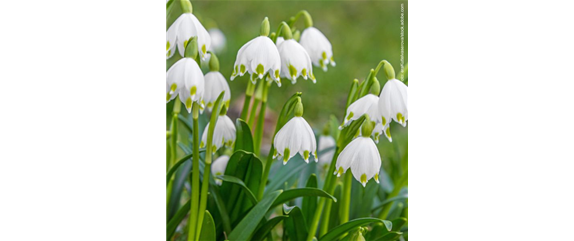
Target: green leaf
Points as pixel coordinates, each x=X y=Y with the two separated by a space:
x=243 y=140
x=309 y=204
x=295 y=224
x=334 y=216
x=214 y=190
x=399 y=223
x=177 y=188
x=287 y=111
x=285 y=172
x=238 y=181
x=390 y=236
x=208 y=228
x=262 y=232
x=176 y=219
x=301 y=192
x=348 y=226
x=349 y=132
x=244 y=230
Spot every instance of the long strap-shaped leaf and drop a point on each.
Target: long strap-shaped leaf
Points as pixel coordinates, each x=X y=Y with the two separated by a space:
x=301 y=192
x=174 y=222
x=238 y=181
x=262 y=232
x=348 y=226
x=244 y=230
x=208 y=228
x=178 y=163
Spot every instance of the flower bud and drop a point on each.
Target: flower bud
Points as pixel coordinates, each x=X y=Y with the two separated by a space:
x=299 y=108
x=389 y=71
x=213 y=62
x=264 y=31
x=186 y=6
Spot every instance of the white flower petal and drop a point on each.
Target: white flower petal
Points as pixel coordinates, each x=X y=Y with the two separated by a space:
x=326 y=142
x=318 y=47
x=295 y=60
x=296 y=136
x=362 y=106
x=393 y=102
x=215 y=83
x=259 y=51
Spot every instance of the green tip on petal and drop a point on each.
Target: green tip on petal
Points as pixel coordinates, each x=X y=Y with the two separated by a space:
x=193 y=90
x=364 y=179
x=242 y=69
x=188 y=103
x=306 y=155
x=384 y=120
x=201 y=145
x=340 y=171
x=400 y=118
x=260 y=69
x=351 y=114
x=324 y=55
x=377 y=178
x=168 y=97
x=286 y=156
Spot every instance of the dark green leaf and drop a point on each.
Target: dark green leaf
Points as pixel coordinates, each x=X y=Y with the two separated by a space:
x=262 y=232
x=334 y=216
x=390 y=236
x=244 y=230
x=301 y=192
x=399 y=223
x=295 y=224
x=243 y=140
x=309 y=204
x=348 y=226
x=285 y=172
x=238 y=181
x=214 y=190
x=207 y=228
x=174 y=222
x=349 y=132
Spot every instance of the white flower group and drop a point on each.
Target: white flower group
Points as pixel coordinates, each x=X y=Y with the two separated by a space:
x=185 y=27
x=257 y=57
x=223 y=133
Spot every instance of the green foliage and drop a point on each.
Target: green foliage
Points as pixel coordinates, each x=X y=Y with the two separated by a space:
x=244 y=230
x=353 y=224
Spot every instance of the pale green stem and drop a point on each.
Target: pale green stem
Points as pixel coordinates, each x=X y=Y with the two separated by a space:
x=195 y=175
x=248 y=94
x=261 y=121
x=173 y=132
x=394 y=193
x=308 y=19
x=346 y=197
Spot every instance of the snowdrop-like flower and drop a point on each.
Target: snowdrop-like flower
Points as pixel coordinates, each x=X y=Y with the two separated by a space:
x=296 y=136
x=257 y=57
x=362 y=156
x=326 y=142
x=393 y=102
x=295 y=61
x=367 y=104
x=218 y=168
x=185 y=79
x=217 y=40
x=379 y=130
x=223 y=134
x=215 y=83
x=179 y=33
x=318 y=47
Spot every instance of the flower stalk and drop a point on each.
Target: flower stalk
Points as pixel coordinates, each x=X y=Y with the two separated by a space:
x=194 y=176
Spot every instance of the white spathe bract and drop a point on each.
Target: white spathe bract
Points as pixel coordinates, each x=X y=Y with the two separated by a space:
x=257 y=57
x=217 y=40
x=295 y=61
x=223 y=134
x=218 y=168
x=296 y=136
x=326 y=142
x=318 y=47
x=184 y=78
x=215 y=83
x=362 y=156
x=185 y=27
x=364 y=105
x=393 y=102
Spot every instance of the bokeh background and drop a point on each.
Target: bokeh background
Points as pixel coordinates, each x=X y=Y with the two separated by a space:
x=362 y=34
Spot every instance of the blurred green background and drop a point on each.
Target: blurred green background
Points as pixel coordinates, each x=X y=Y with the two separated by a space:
x=361 y=32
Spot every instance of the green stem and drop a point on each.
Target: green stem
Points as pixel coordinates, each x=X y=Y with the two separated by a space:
x=195 y=175
x=329 y=187
x=248 y=94
x=308 y=19
x=326 y=216
x=173 y=132
x=252 y=112
x=261 y=121
x=266 y=172
x=203 y=196
x=346 y=197
x=394 y=193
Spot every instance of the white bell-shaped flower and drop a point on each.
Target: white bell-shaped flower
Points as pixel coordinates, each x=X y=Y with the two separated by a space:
x=362 y=156
x=393 y=102
x=218 y=40
x=223 y=134
x=185 y=27
x=326 y=142
x=257 y=57
x=318 y=47
x=296 y=136
x=218 y=168
x=295 y=61
x=184 y=78
x=364 y=105
x=215 y=83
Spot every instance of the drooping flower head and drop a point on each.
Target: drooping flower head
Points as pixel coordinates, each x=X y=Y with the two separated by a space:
x=295 y=60
x=364 y=105
x=215 y=83
x=393 y=98
x=223 y=133
x=296 y=136
x=326 y=142
x=218 y=167
x=318 y=47
x=185 y=27
x=184 y=78
x=218 y=40
x=361 y=156
x=257 y=57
